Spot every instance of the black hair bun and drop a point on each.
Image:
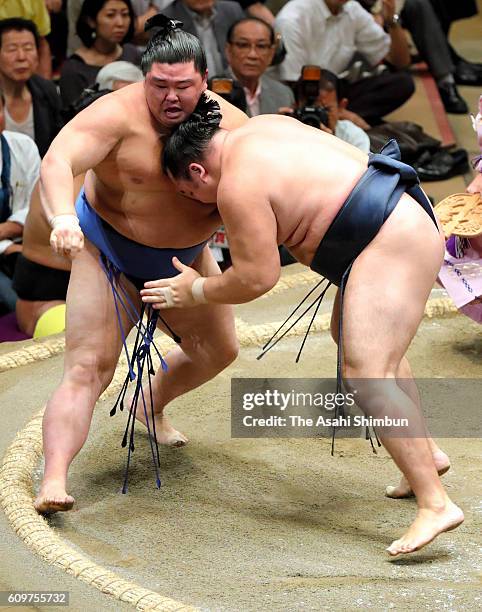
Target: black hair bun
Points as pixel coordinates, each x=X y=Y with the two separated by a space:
x=207 y=112
x=164 y=24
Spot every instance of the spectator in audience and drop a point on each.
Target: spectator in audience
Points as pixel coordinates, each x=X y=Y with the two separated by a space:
x=32 y=103
x=110 y=78
x=257 y=8
x=19 y=169
x=143 y=9
x=57 y=38
x=104 y=26
x=249 y=50
x=210 y=21
x=116 y=75
x=420 y=19
x=330 y=32
x=35 y=11
x=41 y=276
x=330 y=98
x=447 y=11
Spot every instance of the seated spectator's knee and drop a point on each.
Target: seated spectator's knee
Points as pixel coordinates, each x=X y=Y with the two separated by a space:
x=405 y=85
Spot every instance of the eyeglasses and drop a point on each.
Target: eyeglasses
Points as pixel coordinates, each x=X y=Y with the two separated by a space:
x=245 y=47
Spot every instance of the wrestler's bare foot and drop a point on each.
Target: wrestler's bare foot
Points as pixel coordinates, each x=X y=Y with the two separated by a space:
x=428 y=524
x=403 y=489
x=165 y=432
x=52 y=498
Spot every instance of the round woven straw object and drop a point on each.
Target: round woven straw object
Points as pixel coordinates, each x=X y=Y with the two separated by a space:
x=461 y=214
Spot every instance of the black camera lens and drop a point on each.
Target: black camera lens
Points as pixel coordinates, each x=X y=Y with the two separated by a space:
x=312 y=115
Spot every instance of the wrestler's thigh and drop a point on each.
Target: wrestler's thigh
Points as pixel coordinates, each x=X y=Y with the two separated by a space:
x=387 y=290
x=92 y=331
x=335 y=317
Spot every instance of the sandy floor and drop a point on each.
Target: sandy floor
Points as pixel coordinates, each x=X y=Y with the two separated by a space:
x=274 y=524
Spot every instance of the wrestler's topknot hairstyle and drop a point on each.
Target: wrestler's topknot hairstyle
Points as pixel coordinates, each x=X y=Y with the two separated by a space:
x=190 y=140
x=172 y=45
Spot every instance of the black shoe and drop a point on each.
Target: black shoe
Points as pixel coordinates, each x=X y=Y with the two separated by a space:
x=451 y=99
x=441 y=165
x=467 y=73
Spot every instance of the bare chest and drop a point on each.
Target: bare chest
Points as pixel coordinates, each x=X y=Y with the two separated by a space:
x=135 y=165
x=130 y=191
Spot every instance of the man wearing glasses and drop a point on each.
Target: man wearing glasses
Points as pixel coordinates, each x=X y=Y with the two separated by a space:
x=249 y=50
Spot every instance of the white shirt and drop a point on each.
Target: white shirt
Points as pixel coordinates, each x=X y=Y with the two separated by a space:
x=312 y=35
x=349 y=132
x=26 y=127
x=25 y=169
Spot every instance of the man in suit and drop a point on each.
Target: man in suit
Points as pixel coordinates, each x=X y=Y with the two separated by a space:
x=210 y=21
x=249 y=50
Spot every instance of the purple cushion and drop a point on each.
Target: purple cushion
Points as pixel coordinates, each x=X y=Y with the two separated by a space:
x=9 y=331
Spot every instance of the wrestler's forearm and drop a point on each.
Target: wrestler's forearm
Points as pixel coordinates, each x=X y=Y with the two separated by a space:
x=56 y=186
x=233 y=287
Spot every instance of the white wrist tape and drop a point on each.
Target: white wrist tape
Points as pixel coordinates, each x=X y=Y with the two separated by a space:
x=65 y=220
x=197 y=290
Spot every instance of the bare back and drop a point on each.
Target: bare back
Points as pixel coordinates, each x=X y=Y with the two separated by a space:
x=127 y=186
x=303 y=173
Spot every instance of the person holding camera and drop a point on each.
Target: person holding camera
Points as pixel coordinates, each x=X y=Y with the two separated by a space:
x=331 y=33
x=320 y=104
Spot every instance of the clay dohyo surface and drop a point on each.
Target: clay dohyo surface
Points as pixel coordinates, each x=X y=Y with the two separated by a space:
x=258 y=524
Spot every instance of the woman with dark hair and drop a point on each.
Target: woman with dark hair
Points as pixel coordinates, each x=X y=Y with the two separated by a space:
x=104 y=27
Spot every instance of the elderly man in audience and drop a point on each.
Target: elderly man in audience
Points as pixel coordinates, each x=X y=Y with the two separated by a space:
x=32 y=104
x=329 y=33
x=38 y=12
x=210 y=21
x=249 y=50
x=116 y=75
x=19 y=169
